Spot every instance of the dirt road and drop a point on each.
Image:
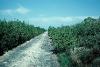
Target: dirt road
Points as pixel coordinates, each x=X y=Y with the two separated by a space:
x=33 y=53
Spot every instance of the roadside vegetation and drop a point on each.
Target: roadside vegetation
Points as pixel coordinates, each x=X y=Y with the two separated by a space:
x=14 y=33
x=77 y=45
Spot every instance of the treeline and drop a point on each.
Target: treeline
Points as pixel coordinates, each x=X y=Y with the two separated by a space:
x=77 y=45
x=14 y=33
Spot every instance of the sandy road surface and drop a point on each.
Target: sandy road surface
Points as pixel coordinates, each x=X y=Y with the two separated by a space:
x=33 y=53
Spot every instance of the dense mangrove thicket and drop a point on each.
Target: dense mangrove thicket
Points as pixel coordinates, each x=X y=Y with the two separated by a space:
x=14 y=33
x=77 y=45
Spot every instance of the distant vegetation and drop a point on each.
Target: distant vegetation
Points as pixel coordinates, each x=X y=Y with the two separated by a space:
x=14 y=33
x=77 y=45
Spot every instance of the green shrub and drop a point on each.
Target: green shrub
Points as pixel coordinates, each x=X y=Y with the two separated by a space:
x=85 y=34
x=14 y=33
x=64 y=60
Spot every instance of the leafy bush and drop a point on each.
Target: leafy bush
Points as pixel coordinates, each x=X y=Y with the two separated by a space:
x=64 y=60
x=96 y=62
x=14 y=33
x=85 y=34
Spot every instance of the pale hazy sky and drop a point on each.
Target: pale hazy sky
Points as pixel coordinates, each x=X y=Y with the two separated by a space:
x=46 y=13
